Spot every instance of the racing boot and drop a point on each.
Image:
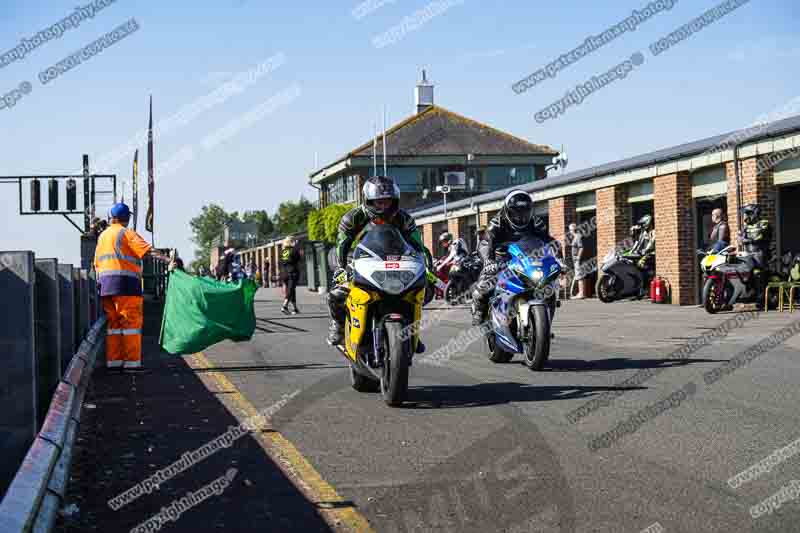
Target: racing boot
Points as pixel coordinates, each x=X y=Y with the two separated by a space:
x=478 y=314
x=335 y=333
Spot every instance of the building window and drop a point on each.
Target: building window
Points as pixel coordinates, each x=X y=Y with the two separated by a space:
x=342 y=190
x=507 y=176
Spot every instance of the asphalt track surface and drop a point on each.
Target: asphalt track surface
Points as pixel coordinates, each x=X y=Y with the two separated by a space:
x=486 y=447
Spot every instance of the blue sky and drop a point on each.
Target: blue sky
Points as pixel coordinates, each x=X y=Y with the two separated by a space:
x=720 y=79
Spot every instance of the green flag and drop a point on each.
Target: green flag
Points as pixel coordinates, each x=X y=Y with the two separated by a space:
x=200 y=312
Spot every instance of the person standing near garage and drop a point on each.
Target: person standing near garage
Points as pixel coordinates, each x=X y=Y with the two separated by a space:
x=290 y=274
x=577 y=249
x=118 y=263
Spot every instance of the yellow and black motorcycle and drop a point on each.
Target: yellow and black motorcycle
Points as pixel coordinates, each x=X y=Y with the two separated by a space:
x=387 y=281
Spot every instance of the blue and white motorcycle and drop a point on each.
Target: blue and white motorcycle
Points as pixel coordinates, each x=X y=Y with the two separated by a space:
x=522 y=308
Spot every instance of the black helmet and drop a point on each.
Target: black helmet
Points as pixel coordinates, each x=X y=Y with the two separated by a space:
x=518 y=209
x=646 y=222
x=446 y=236
x=377 y=188
x=751 y=213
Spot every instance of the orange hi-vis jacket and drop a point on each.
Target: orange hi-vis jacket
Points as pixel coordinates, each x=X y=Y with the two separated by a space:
x=118 y=261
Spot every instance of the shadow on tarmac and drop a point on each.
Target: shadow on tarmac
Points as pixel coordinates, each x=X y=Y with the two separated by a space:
x=267 y=368
x=495 y=394
x=134 y=425
x=617 y=363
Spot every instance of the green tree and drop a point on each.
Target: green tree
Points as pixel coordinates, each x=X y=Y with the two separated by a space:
x=323 y=224
x=291 y=216
x=265 y=226
x=207 y=227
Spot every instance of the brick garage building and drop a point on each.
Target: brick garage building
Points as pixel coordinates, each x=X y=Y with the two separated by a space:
x=680 y=186
x=429 y=149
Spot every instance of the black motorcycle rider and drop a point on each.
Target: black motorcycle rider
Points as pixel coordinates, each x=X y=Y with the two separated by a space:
x=381 y=206
x=645 y=247
x=514 y=221
x=755 y=239
x=455 y=250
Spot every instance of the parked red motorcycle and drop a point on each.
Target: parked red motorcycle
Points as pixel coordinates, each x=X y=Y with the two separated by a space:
x=443 y=274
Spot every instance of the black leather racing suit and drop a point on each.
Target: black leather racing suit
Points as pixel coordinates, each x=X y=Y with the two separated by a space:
x=499 y=232
x=756 y=240
x=352 y=224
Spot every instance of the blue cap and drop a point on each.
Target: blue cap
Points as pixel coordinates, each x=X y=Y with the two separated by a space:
x=120 y=211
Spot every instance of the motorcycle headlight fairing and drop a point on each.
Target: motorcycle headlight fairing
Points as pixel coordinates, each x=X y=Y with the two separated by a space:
x=393 y=282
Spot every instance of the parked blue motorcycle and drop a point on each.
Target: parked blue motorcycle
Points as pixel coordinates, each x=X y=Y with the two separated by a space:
x=524 y=303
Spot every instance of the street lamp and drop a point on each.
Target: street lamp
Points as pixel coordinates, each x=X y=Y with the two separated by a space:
x=559 y=161
x=444 y=189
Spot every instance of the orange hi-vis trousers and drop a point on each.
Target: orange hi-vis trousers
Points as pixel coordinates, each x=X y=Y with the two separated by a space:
x=125 y=316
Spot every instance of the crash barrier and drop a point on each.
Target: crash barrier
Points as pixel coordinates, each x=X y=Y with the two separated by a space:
x=48 y=308
x=39 y=487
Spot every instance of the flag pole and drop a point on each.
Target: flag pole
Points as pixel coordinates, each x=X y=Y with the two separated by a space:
x=151 y=178
x=374 y=148
x=385 y=171
x=135 y=189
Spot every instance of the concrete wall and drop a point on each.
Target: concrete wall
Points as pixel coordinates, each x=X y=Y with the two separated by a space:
x=48 y=331
x=67 y=302
x=18 y=392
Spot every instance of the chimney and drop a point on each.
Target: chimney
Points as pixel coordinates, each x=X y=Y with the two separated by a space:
x=424 y=94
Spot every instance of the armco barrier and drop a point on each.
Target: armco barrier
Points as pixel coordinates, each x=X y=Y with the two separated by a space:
x=37 y=491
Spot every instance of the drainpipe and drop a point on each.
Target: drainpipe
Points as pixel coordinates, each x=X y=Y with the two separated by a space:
x=738 y=187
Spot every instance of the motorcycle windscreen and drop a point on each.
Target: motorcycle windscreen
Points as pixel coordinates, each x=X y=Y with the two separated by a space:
x=534 y=257
x=383 y=242
x=530 y=246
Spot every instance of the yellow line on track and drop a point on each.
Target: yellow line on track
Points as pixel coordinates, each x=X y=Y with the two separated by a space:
x=284 y=453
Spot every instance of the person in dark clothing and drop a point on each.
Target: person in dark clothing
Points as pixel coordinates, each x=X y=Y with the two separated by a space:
x=290 y=274
x=479 y=236
x=381 y=206
x=721 y=234
x=231 y=269
x=514 y=221
x=265 y=274
x=755 y=239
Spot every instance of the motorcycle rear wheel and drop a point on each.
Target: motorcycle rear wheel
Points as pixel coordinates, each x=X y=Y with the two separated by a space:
x=394 y=380
x=537 y=349
x=452 y=293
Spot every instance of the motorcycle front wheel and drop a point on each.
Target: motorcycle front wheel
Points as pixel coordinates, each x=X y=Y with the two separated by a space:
x=606 y=288
x=394 y=379
x=497 y=354
x=537 y=349
x=362 y=383
x=710 y=297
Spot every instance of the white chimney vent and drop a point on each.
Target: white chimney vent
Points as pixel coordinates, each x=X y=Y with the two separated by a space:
x=424 y=94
